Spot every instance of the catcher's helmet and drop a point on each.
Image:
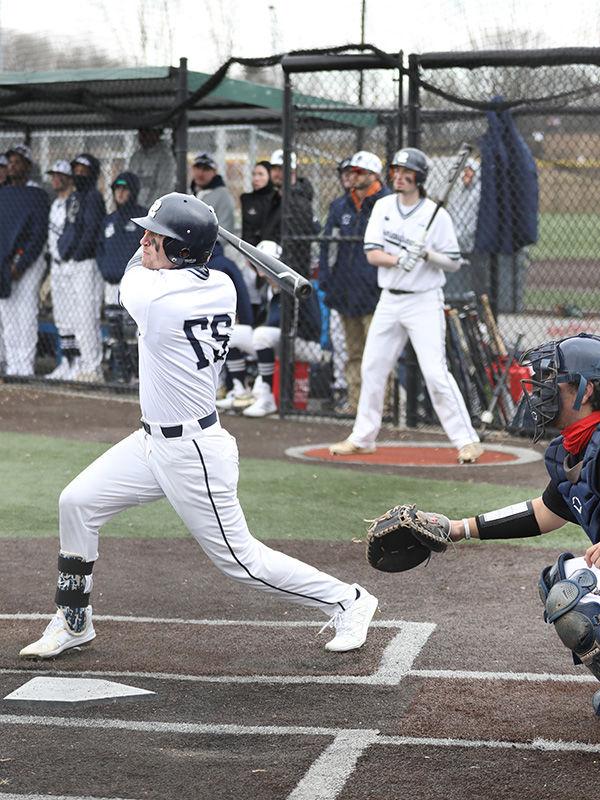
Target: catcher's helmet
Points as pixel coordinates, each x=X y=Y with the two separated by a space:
x=189 y=226
x=416 y=160
x=575 y=359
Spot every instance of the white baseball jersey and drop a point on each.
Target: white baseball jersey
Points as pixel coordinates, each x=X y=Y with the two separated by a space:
x=393 y=225
x=56 y=223
x=185 y=318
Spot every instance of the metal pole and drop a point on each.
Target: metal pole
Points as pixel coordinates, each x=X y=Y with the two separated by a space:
x=360 y=134
x=180 y=128
x=414 y=140
x=286 y=351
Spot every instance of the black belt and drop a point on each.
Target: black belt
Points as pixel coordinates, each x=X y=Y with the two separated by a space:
x=174 y=431
x=399 y=291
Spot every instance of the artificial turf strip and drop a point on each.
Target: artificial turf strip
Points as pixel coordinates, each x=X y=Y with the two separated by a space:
x=281 y=499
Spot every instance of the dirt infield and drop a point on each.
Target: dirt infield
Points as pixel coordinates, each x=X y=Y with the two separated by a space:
x=461 y=690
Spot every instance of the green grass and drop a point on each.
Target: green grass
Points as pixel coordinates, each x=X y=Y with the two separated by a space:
x=588 y=300
x=281 y=499
x=567 y=236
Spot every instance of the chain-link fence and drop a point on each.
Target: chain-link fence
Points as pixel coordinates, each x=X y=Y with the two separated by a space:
x=523 y=208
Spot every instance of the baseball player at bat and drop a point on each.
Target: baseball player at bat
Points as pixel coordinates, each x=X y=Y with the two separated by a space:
x=563 y=392
x=410 y=271
x=185 y=314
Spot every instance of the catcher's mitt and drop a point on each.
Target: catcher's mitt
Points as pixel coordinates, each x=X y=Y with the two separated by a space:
x=404 y=537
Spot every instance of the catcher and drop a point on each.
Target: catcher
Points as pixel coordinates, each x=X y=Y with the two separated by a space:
x=563 y=392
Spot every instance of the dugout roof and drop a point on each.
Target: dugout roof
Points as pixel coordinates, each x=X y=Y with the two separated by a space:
x=132 y=97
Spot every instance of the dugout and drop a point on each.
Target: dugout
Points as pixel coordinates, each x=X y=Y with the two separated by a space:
x=62 y=112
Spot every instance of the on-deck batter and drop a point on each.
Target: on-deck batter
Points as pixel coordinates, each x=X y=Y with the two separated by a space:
x=411 y=306
x=185 y=313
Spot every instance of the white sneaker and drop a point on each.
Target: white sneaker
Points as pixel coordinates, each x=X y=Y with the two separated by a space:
x=94 y=376
x=263 y=405
x=58 y=637
x=60 y=373
x=469 y=453
x=348 y=448
x=351 y=626
x=234 y=396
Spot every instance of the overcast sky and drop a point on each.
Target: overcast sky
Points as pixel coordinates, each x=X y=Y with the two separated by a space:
x=208 y=31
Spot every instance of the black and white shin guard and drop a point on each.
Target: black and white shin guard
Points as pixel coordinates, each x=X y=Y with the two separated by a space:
x=73 y=589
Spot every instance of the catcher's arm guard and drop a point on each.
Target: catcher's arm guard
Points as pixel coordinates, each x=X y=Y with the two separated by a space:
x=404 y=537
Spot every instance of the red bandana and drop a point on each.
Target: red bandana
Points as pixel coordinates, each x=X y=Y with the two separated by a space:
x=577 y=435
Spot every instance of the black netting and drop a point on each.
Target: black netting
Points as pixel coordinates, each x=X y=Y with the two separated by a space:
x=524 y=214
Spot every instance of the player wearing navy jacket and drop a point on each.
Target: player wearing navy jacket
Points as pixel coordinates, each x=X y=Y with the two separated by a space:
x=77 y=248
x=23 y=232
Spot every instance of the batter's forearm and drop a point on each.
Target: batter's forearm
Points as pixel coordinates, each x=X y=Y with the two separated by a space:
x=443 y=261
x=379 y=258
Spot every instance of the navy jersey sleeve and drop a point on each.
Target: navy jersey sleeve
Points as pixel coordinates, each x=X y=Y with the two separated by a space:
x=554 y=501
x=93 y=217
x=36 y=231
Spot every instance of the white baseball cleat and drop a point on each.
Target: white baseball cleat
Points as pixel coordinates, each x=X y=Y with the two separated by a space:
x=58 y=637
x=94 y=376
x=236 y=396
x=469 y=453
x=348 y=448
x=62 y=372
x=264 y=403
x=351 y=626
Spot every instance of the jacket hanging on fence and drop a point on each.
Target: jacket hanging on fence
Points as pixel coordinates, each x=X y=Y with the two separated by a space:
x=508 y=212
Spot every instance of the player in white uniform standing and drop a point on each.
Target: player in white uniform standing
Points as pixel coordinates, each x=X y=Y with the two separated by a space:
x=185 y=314
x=62 y=183
x=410 y=272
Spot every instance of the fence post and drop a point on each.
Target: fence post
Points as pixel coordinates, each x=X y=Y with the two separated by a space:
x=286 y=347
x=180 y=128
x=413 y=140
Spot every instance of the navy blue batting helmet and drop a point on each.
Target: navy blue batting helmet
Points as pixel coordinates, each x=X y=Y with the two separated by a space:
x=416 y=160
x=189 y=226
x=575 y=359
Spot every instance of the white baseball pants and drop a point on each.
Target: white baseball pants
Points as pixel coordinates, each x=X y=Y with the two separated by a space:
x=77 y=292
x=18 y=315
x=249 y=340
x=419 y=317
x=198 y=474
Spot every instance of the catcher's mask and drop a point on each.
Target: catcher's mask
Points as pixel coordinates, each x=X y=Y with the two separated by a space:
x=575 y=360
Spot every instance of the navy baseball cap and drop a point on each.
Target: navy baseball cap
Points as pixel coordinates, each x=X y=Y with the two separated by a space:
x=21 y=150
x=204 y=159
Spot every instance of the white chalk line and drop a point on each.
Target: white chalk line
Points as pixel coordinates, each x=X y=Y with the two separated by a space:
x=396 y=662
x=4 y=796
x=366 y=735
x=246 y=623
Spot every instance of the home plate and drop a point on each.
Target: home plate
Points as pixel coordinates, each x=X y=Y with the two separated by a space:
x=72 y=690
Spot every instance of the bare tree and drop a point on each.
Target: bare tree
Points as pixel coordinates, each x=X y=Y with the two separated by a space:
x=33 y=52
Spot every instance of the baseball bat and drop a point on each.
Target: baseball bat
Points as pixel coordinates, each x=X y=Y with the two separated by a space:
x=487 y=417
x=456 y=167
x=285 y=277
x=492 y=326
x=466 y=362
x=455 y=170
